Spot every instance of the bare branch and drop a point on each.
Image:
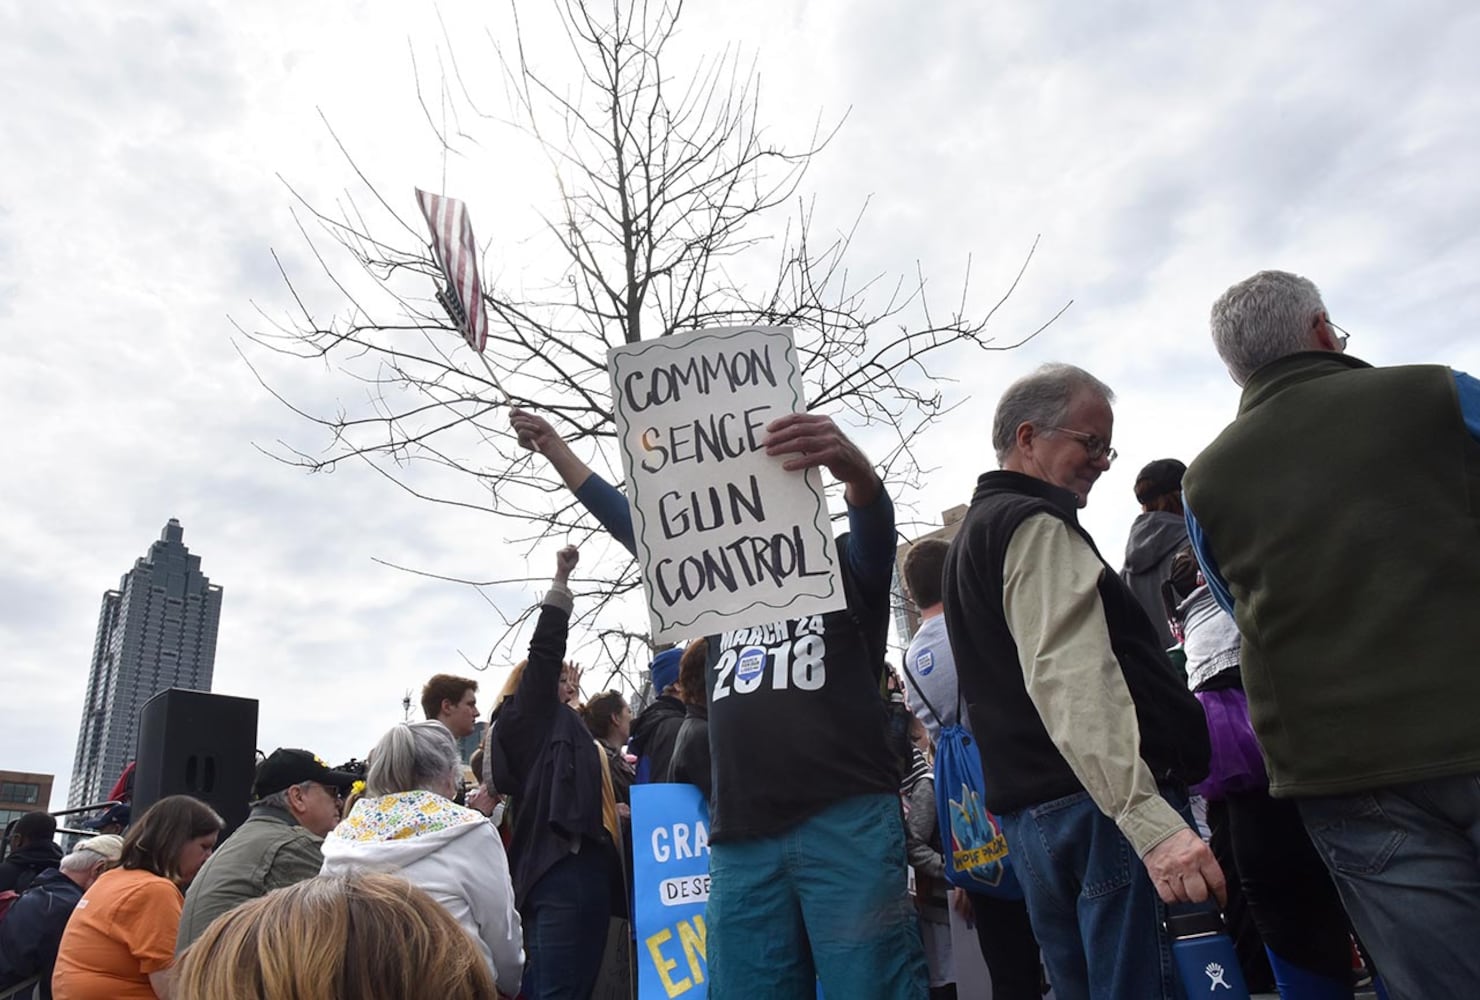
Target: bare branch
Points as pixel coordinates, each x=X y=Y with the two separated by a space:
x=668 y=196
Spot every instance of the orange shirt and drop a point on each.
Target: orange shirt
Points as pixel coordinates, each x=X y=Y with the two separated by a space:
x=122 y=930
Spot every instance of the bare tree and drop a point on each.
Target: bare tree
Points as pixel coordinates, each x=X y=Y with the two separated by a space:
x=670 y=196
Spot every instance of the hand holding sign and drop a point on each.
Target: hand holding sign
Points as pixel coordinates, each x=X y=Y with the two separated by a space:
x=814 y=440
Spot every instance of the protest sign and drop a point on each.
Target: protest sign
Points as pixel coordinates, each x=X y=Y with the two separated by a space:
x=670 y=887
x=726 y=538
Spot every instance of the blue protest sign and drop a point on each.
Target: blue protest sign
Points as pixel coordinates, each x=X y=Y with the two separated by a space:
x=670 y=887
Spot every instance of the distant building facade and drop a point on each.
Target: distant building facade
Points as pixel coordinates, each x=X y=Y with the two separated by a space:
x=470 y=742
x=156 y=631
x=22 y=792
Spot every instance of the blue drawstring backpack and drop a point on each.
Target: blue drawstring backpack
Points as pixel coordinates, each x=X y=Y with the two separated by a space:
x=972 y=842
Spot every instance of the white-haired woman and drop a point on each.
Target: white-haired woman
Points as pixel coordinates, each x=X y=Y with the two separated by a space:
x=406 y=823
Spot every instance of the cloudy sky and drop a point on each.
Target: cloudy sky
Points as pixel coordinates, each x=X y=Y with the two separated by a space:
x=1161 y=151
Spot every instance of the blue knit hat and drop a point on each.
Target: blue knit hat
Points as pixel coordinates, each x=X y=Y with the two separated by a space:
x=664 y=670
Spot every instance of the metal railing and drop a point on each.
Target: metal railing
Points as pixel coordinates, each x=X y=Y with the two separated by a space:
x=21 y=990
x=70 y=831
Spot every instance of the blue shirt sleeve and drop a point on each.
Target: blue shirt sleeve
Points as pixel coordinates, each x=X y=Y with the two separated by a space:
x=1469 y=401
x=1204 y=553
x=609 y=504
x=871 y=542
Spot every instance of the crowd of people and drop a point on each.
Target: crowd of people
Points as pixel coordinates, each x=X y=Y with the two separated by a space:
x=1264 y=710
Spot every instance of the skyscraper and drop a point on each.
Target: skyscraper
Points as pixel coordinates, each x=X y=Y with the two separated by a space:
x=156 y=631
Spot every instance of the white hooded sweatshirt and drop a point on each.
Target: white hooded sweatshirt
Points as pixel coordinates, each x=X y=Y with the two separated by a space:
x=451 y=853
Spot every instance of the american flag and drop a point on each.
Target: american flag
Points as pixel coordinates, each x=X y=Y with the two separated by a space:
x=457 y=255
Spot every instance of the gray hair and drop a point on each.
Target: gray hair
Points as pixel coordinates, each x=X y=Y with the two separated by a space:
x=279 y=798
x=1262 y=319
x=1043 y=399
x=83 y=860
x=411 y=756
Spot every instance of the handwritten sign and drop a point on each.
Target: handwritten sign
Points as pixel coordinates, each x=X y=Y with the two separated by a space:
x=725 y=536
x=670 y=883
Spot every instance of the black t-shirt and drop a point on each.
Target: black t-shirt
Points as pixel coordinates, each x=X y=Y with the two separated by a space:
x=796 y=720
x=796 y=710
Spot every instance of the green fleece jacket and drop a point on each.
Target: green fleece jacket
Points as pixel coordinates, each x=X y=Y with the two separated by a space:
x=1342 y=507
x=269 y=851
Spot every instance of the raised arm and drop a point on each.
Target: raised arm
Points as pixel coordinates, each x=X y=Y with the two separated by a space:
x=809 y=440
x=804 y=440
x=597 y=495
x=536 y=434
x=539 y=687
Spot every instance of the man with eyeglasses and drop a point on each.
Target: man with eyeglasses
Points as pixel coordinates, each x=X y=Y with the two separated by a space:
x=297 y=799
x=1088 y=735
x=1338 y=519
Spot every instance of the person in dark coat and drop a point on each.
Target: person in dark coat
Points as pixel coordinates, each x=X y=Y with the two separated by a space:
x=656 y=726
x=33 y=926
x=32 y=850
x=561 y=855
x=691 y=761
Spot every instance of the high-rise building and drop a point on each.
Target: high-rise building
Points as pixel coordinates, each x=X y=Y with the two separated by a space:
x=156 y=631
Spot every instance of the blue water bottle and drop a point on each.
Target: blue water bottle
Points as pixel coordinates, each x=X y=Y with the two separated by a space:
x=1205 y=957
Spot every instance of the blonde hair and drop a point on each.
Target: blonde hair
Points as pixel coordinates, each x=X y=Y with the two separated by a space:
x=512 y=683
x=358 y=936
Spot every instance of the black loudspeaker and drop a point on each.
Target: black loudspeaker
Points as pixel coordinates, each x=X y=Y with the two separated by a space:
x=200 y=744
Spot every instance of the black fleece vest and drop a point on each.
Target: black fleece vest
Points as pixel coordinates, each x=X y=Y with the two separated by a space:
x=1021 y=765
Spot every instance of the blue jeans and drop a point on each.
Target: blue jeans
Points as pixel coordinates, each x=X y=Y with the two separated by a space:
x=1406 y=860
x=825 y=900
x=565 y=918
x=1095 y=912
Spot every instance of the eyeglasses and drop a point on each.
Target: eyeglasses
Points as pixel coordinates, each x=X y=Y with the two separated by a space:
x=1344 y=336
x=335 y=792
x=1094 y=447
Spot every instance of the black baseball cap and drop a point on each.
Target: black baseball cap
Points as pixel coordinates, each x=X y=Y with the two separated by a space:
x=118 y=815
x=285 y=768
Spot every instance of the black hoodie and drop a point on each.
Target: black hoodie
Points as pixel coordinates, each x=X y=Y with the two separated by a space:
x=542 y=755
x=653 y=733
x=23 y=865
